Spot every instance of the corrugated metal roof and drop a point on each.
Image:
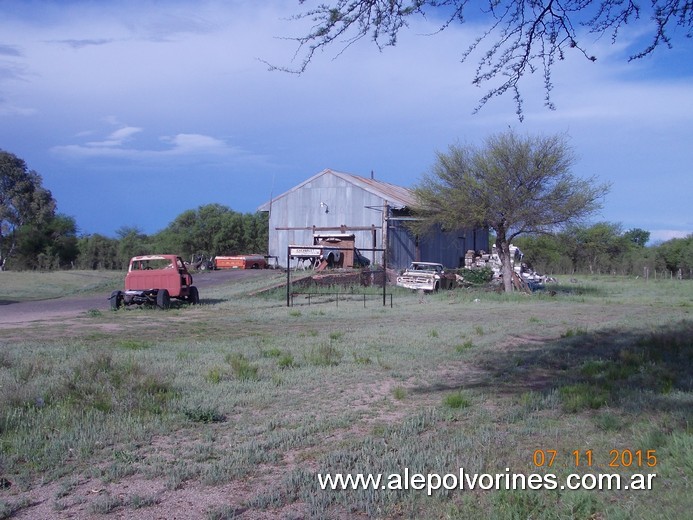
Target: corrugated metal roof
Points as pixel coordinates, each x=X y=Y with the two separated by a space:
x=396 y=196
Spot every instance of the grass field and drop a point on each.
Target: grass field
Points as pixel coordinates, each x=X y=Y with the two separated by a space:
x=35 y=285
x=232 y=408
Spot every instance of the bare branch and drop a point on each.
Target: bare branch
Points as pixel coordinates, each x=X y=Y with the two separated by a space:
x=522 y=37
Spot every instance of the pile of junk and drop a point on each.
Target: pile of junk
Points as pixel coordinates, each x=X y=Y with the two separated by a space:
x=524 y=277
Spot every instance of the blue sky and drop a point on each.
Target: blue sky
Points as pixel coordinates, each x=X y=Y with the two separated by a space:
x=135 y=111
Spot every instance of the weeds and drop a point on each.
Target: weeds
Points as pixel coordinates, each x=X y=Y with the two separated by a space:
x=569 y=333
x=324 y=355
x=242 y=368
x=138 y=501
x=286 y=361
x=204 y=415
x=583 y=396
x=215 y=375
x=133 y=344
x=463 y=347
x=361 y=360
x=399 y=393
x=272 y=353
x=106 y=503
x=456 y=400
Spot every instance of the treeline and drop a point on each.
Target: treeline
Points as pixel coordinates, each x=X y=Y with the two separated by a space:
x=203 y=232
x=34 y=236
x=604 y=248
x=209 y=230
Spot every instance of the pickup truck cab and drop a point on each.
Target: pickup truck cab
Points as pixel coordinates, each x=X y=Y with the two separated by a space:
x=426 y=276
x=155 y=279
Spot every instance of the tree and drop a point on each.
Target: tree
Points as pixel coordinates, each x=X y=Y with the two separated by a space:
x=676 y=254
x=50 y=245
x=131 y=242
x=98 y=252
x=513 y=185
x=214 y=229
x=545 y=253
x=599 y=245
x=521 y=35
x=638 y=237
x=23 y=202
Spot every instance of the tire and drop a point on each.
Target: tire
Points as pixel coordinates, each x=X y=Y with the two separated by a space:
x=116 y=300
x=193 y=295
x=163 y=299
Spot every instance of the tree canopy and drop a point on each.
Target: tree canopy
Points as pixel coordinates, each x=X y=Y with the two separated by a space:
x=521 y=36
x=602 y=248
x=515 y=185
x=26 y=208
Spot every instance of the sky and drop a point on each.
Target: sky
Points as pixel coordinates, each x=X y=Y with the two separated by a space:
x=136 y=111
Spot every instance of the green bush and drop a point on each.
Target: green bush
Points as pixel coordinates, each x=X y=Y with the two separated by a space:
x=476 y=276
x=242 y=368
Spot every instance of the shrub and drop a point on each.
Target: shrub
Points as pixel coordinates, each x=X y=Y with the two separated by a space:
x=583 y=396
x=476 y=276
x=286 y=361
x=204 y=415
x=324 y=355
x=242 y=368
x=456 y=400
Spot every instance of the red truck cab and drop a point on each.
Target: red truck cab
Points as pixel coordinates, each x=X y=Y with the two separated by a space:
x=156 y=279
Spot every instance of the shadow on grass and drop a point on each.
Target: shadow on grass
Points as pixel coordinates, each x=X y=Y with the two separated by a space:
x=577 y=289
x=650 y=369
x=212 y=301
x=594 y=369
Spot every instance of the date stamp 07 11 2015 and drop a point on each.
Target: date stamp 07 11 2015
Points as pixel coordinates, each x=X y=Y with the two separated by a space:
x=625 y=458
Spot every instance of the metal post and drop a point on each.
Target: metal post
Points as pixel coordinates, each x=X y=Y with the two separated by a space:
x=384 y=273
x=288 y=275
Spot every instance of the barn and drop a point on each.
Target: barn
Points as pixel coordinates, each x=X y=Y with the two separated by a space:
x=375 y=212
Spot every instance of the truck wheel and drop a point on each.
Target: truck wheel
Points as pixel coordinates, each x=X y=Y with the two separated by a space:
x=193 y=295
x=163 y=299
x=116 y=300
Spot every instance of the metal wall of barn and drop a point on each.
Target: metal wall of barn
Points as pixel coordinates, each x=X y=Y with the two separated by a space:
x=447 y=248
x=326 y=204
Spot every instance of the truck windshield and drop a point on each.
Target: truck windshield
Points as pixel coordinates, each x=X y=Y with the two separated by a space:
x=153 y=263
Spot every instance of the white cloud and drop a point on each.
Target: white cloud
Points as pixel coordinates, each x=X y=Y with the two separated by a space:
x=196 y=143
x=117 y=138
x=121 y=144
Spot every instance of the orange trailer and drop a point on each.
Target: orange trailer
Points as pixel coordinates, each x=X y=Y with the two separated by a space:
x=240 y=262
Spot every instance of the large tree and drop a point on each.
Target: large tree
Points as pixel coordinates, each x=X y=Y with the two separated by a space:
x=521 y=36
x=23 y=202
x=515 y=185
x=214 y=229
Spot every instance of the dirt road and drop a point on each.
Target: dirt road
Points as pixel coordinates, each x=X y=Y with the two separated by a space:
x=13 y=314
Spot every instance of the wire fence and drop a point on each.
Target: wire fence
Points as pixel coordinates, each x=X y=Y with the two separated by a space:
x=316 y=298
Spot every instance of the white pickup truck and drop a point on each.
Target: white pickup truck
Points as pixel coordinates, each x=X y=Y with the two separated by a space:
x=426 y=276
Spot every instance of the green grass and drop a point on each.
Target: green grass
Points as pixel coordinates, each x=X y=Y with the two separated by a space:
x=242 y=390
x=39 y=285
x=456 y=400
